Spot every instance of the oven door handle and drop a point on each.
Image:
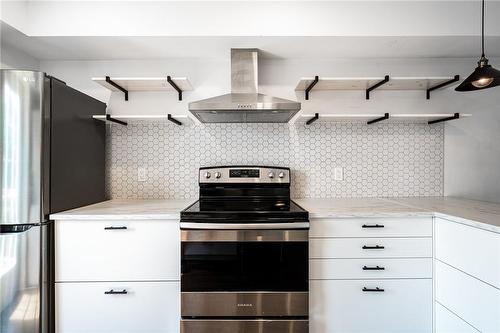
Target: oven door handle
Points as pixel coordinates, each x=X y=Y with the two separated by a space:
x=243 y=226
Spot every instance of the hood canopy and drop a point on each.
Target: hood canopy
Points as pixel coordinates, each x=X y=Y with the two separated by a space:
x=244 y=104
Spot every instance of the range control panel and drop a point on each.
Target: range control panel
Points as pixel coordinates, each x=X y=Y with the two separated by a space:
x=244 y=174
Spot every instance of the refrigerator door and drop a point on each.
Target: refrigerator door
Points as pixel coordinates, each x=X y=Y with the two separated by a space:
x=77 y=158
x=21 y=112
x=19 y=278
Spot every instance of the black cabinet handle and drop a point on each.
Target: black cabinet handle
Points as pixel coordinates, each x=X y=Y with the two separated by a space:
x=115 y=228
x=376 y=268
x=116 y=292
x=376 y=247
x=372 y=226
x=376 y=290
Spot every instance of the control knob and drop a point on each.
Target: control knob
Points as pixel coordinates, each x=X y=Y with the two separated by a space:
x=218 y=175
x=281 y=174
x=271 y=175
x=207 y=175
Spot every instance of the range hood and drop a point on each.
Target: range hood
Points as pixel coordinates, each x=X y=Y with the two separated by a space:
x=244 y=104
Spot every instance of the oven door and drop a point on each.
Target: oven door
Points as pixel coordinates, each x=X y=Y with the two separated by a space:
x=244 y=273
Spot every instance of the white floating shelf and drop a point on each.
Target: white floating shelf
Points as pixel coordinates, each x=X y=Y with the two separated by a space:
x=338 y=83
x=349 y=83
x=365 y=83
x=144 y=83
x=364 y=118
x=134 y=119
x=128 y=84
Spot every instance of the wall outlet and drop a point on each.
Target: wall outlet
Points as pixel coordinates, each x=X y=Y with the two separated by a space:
x=338 y=174
x=141 y=174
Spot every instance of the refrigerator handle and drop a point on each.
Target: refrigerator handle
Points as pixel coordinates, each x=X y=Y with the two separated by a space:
x=15 y=228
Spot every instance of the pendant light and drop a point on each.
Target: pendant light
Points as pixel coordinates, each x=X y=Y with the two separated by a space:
x=484 y=76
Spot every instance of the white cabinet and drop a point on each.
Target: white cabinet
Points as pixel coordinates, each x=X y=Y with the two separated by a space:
x=370 y=247
x=342 y=306
x=472 y=300
x=379 y=268
x=117 y=250
x=351 y=257
x=147 y=307
x=117 y=276
x=467 y=277
x=372 y=227
x=448 y=322
x=469 y=249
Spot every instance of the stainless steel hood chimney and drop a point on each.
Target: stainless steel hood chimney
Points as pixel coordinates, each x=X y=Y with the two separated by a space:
x=244 y=104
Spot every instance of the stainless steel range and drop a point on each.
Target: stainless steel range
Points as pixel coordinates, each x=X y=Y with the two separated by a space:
x=244 y=254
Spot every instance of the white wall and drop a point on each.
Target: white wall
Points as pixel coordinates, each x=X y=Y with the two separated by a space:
x=12 y=58
x=472 y=150
x=472 y=155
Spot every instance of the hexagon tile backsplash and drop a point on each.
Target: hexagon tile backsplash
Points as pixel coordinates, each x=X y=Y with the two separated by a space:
x=386 y=159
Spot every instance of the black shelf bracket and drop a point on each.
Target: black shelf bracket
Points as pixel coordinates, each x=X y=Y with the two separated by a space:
x=441 y=85
x=172 y=119
x=455 y=116
x=313 y=119
x=311 y=85
x=375 y=86
x=386 y=116
x=117 y=86
x=175 y=86
x=116 y=121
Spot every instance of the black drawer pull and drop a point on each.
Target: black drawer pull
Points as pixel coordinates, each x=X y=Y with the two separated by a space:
x=376 y=268
x=376 y=247
x=115 y=228
x=116 y=292
x=372 y=226
x=376 y=290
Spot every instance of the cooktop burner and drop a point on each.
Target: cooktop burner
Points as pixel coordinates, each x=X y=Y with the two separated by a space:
x=240 y=210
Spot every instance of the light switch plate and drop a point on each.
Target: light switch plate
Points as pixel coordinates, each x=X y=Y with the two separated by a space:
x=141 y=174
x=338 y=174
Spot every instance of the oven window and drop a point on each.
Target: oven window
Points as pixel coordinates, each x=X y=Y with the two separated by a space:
x=244 y=266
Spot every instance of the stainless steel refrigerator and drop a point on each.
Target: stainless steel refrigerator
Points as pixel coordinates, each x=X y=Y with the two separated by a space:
x=51 y=159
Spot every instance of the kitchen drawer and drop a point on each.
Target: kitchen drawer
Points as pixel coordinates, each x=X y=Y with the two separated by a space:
x=90 y=251
x=448 y=322
x=405 y=306
x=461 y=246
x=472 y=300
x=370 y=268
x=372 y=227
x=333 y=248
x=151 y=307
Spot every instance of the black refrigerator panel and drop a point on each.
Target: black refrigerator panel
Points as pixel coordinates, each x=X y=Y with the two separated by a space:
x=77 y=158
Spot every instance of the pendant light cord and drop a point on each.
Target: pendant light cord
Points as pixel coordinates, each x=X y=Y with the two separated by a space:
x=482 y=30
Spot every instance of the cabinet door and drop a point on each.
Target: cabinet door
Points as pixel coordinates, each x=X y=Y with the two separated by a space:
x=372 y=227
x=117 y=250
x=448 y=322
x=146 y=307
x=461 y=246
x=342 y=306
x=471 y=299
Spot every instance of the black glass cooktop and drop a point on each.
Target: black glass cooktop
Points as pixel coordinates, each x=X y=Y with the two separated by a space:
x=244 y=210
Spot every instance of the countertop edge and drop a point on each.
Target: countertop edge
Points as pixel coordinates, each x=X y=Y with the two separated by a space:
x=127 y=217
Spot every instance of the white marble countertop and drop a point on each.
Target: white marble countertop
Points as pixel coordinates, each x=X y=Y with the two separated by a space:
x=484 y=215
x=358 y=207
x=481 y=214
x=128 y=209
